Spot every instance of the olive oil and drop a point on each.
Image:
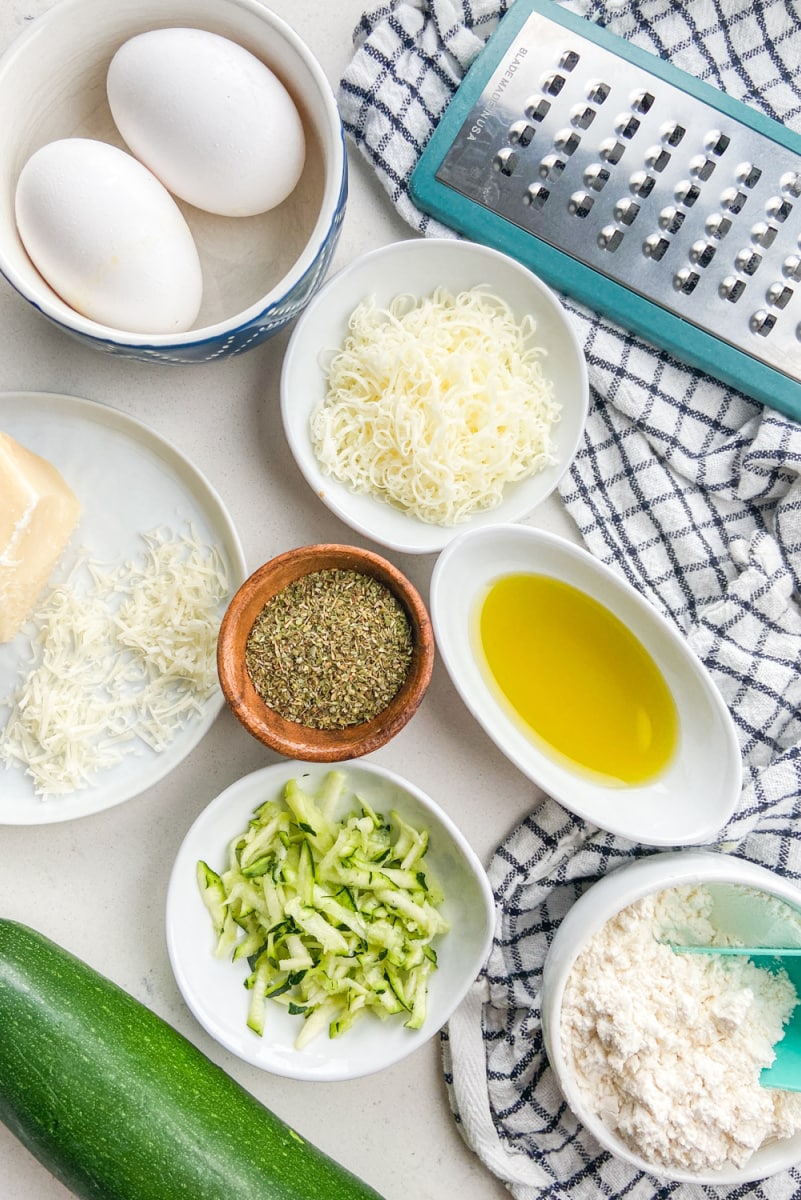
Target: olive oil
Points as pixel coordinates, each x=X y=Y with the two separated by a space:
x=583 y=686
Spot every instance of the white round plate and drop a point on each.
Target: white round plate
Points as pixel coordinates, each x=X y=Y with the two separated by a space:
x=418 y=267
x=213 y=988
x=694 y=796
x=129 y=481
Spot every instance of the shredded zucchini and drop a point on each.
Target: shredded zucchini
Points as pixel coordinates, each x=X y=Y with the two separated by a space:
x=336 y=916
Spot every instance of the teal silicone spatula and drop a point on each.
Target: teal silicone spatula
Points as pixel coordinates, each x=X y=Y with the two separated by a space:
x=785 y=1070
x=771 y=930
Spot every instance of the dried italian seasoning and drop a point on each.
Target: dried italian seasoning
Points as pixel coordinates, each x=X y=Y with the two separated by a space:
x=330 y=650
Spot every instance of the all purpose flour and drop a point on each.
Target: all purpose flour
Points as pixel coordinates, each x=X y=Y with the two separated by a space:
x=667 y=1047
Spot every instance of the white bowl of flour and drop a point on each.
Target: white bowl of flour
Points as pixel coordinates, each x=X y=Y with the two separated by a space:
x=659 y=1054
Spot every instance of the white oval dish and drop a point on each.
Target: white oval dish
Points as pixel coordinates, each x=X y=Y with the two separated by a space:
x=129 y=481
x=213 y=987
x=417 y=267
x=599 y=904
x=691 y=800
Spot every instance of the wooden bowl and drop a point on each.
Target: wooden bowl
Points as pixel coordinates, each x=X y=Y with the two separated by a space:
x=289 y=738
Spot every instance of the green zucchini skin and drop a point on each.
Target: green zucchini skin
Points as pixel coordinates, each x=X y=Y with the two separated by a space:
x=120 y=1106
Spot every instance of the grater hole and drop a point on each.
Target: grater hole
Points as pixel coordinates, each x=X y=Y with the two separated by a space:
x=597 y=91
x=521 y=133
x=686 y=281
x=626 y=126
x=733 y=200
x=655 y=246
x=553 y=84
x=748 y=175
x=671 y=219
x=791 y=267
x=778 y=209
x=567 y=141
x=642 y=184
x=717 y=226
x=582 y=116
x=764 y=235
x=505 y=162
x=611 y=150
x=701 y=168
x=762 y=322
x=579 y=204
x=596 y=177
x=732 y=288
x=687 y=193
x=626 y=211
x=779 y=295
x=657 y=158
x=552 y=167
x=702 y=253
x=569 y=60
x=748 y=261
x=536 y=196
x=610 y=238
x=790 y=184
x=537 y=109
x=642 y=102
x=717 y=143
x=672 y=134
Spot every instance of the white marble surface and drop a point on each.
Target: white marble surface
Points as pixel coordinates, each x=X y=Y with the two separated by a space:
x=97 y=885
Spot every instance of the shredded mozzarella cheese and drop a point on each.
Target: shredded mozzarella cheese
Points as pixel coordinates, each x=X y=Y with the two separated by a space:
x=121 y=656
x=435 y=404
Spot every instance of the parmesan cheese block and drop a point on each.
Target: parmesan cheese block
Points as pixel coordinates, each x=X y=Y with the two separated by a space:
x=38 y=512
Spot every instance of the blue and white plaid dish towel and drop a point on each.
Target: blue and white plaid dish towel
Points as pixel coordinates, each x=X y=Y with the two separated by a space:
x=689 y=490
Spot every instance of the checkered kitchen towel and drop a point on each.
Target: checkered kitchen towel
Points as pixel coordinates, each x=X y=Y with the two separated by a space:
x=689 y=490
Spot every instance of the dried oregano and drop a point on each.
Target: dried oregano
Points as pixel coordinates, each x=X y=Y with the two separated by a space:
x=330 y=650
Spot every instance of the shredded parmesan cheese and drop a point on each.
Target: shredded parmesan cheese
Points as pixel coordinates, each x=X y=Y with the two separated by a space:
x=121 y=656
x=435 y=405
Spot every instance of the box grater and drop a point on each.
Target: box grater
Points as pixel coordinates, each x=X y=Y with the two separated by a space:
x=628 y=184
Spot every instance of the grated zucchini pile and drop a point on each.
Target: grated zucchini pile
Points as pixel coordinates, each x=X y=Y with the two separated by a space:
x=335 y=916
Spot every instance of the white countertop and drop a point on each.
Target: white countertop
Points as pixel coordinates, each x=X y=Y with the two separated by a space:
x=97 y=885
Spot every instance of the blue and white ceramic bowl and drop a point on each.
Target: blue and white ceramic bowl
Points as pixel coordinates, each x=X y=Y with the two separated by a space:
x=259 y=272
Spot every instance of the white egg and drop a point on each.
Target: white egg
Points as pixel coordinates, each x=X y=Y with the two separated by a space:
x=108 y=237
x=216 y=126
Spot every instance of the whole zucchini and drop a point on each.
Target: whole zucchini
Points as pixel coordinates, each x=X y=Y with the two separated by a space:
x=120 y=1106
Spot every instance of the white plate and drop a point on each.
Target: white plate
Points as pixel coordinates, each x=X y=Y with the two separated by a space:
x=694 y=796
x=417 y=267
x=213 y=988
x=128 y=481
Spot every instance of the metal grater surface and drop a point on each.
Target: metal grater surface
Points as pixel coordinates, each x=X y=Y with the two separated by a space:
x=642 y=182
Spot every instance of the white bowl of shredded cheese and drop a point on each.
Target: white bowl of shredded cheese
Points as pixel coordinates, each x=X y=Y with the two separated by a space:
x=432 y=386
x=659 y=1053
